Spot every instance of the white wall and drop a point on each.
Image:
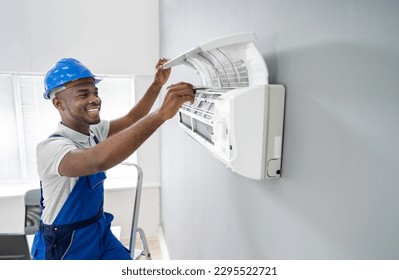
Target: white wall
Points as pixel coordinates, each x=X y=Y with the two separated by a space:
x=338 y=194
x=113 y=37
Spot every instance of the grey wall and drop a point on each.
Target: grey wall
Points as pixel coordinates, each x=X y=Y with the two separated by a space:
x=338 y=195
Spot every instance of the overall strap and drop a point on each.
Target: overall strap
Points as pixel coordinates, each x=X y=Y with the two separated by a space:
x=41 y=189
x=95 y=137
x=54 y=135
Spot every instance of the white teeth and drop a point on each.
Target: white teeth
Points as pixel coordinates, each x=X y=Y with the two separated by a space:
x=93 y=110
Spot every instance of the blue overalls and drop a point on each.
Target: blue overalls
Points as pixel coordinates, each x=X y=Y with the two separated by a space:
x=81 y=230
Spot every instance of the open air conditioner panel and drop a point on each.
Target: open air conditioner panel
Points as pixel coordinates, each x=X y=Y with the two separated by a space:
x=236 y=115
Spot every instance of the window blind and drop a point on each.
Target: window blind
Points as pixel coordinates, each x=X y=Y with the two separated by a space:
x=26 y=118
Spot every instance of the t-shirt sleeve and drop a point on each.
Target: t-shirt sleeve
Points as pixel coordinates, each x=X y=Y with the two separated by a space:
x=49 y=155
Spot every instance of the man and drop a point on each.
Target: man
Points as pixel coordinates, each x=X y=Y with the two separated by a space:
x=72 y=161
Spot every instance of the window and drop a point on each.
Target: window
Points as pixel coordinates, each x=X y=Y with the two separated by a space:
x=26 y=118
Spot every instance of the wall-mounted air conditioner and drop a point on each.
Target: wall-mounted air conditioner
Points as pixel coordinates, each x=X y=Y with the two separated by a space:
x=236 y=114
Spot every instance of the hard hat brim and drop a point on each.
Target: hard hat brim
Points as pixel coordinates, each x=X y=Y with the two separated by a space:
x=48 y=94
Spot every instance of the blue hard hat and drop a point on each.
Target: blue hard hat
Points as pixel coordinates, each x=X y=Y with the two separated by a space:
x=64 y=71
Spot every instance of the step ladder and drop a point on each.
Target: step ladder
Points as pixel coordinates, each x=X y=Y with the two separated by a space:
x=137 y=253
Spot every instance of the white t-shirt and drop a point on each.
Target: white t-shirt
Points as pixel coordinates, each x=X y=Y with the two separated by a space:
x=50 y=152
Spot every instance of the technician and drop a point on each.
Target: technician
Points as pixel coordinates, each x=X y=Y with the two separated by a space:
x=71 y=162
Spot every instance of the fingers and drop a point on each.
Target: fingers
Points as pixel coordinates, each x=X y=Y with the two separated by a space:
x=181 y=85
x=176 y=96
x=161 y=74
x=182 y=92
x=158 y=69
x=161 y=62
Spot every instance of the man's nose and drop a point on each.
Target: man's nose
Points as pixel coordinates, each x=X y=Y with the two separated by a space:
x=94 y=99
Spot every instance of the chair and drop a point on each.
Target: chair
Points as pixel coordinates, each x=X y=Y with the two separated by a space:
x=14 y=246
x=32 y=211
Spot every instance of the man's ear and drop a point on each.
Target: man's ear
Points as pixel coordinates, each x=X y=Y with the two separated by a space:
x=57 y=102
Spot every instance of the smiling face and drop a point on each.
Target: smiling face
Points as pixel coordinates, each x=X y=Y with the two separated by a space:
x=79 y=105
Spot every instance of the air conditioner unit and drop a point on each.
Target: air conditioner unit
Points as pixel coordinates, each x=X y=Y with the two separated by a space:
x=236 y=114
